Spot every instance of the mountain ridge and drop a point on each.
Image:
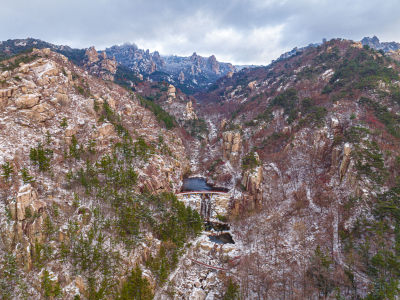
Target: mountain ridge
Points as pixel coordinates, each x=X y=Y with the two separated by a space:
x=191 y=74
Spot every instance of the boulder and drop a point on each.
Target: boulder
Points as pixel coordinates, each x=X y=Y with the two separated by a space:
x=80 y=284
x=206 y=246
x=24 y=68
x=334 y=123
x=27 y=101
x=211 y=279
x=62 y=99
x=5 y=75
x=106 y=129
x=252 y=85
x=46 y=51
x=198 y=294
x=127 y=109
x=40 y=113
x=358 y=45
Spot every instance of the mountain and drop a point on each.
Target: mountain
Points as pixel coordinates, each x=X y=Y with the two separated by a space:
x=376 y=44
x=295 y=51
x=191 y=74
x=310 y=148
x=16 y=46
x=302 y=158
x=87 y=174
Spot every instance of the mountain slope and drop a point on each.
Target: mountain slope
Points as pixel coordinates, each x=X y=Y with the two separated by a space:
x=87 y=176
x=307 y=147
x=310 y=147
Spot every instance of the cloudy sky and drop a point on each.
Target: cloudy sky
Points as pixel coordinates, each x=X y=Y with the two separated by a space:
x=238 y=31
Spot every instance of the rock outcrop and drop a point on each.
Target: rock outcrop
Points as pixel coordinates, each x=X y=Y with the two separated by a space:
x=27 y=101
x=92 y=55
x=189 y=73
x=171 y=93
x=190 y=113
x=100 y=65
x=28 y=213
x=231 y=145
x=345 y=160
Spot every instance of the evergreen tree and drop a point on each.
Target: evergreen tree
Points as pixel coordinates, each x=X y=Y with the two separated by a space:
x=232 y=291
x=136 y=287
x=26 y=178
x=8 y=276
x=7 y=170
x=41 y=157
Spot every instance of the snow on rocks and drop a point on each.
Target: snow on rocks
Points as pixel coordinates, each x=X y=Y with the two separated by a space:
x=327 y=74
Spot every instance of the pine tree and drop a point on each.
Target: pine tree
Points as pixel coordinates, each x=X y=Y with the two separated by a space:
x=26 y=178
x=136 y=287
x=232 y=291
x=7 y=170
x=8 y=276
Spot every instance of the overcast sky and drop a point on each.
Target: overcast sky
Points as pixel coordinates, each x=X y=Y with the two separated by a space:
x=237 y=31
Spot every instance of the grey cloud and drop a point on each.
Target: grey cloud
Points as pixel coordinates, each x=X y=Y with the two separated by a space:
x=247 y=31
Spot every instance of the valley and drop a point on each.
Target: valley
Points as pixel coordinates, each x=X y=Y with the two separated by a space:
x=270 y=182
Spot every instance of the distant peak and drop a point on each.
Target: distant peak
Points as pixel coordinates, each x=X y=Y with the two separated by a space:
x=374 y=39
x=376 y=44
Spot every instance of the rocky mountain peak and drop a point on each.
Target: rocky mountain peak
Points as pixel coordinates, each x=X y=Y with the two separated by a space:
x=194 y=56
x=213 y=64
x=99 y=65
x=92 y=55
x=375 y=43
